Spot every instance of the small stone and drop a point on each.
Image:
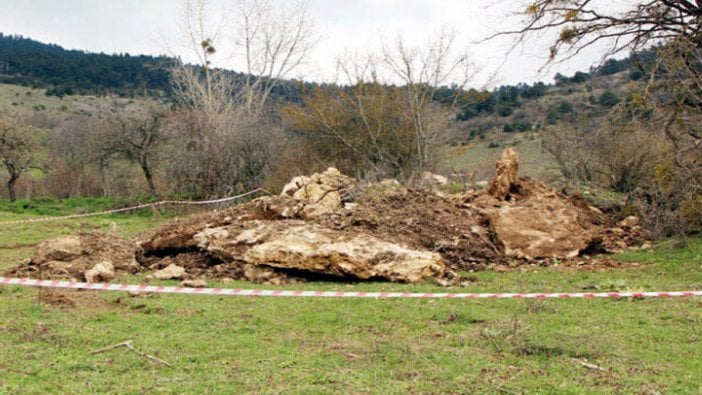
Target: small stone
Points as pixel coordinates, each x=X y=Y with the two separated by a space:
x=102 y=272
x=193 y=283
x=630 y=221
x=171 y=272
x=139 y=294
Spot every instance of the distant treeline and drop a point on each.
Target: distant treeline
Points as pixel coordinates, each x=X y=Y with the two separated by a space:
x=62 y=72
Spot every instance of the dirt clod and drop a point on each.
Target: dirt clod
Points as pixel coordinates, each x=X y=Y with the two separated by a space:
x=102 y=272
x=170 y=272
x=193 y=283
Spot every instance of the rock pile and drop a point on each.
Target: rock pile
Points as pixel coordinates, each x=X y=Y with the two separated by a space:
x=326 y=225
x=89 y=256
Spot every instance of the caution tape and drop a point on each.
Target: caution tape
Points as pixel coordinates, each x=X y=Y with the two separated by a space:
x=333 y=294
x=132 y=208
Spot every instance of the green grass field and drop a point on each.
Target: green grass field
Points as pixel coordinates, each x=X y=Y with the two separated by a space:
x=274 y=345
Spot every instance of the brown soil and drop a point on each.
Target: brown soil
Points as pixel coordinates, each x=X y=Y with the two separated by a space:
x=423 y=220
x=68 y=257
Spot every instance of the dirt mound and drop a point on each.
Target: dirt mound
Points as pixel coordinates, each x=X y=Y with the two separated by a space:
x=420 y=219
x=326 y=226
x=531 y=221
x=70 y=257
x=281 y=238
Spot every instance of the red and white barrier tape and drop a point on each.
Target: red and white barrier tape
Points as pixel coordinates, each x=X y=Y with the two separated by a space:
x=332 y=294
x=121 y=210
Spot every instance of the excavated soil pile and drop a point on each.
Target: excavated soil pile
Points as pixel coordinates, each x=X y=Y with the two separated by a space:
x=531 y=221
x=423 y=220
x=326 y=226
x=88 y=256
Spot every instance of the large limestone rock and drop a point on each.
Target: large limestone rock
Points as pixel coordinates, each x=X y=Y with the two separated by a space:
x=529 y=220
x=540 y=228
x=309 y=247
x=320 y=193
x=506 y=170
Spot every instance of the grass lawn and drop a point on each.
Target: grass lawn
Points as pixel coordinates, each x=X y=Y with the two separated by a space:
x=276 y=345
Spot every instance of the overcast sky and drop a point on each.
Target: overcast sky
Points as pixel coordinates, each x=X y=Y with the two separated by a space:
x=150 y=27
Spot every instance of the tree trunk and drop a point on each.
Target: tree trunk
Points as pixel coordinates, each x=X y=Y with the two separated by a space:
x=11 y=187
x=149 y=176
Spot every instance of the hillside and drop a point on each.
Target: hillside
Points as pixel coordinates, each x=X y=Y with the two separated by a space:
x=61 y=72
x=63 y=86
x=518 y=116
x=64 y=72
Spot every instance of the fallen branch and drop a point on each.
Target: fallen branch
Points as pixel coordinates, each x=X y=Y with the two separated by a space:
x=130 y=345
x=590 y=365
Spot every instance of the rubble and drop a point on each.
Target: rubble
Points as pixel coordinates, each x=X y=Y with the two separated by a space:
x=319 y=194
x=87 y=255
x=327 y=225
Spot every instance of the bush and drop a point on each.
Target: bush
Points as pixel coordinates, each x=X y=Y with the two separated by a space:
x=580 y=77
x=467 y=114
x=518 y=126
x=504 y=110
x=564 y=107
x=636 y=75
x=608 y=99
x=691 y=212
x=552 y=117
x=523 y=126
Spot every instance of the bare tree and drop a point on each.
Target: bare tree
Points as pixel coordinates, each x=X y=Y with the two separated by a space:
x=275 y=41
x=380 y=128
x=628 y=26
x=675 y=81
x=137 y=138
x=18 y=149
x=671 y=98
x=71 y=156
x=269 y=42
x=423 y=70
x=229 y=138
